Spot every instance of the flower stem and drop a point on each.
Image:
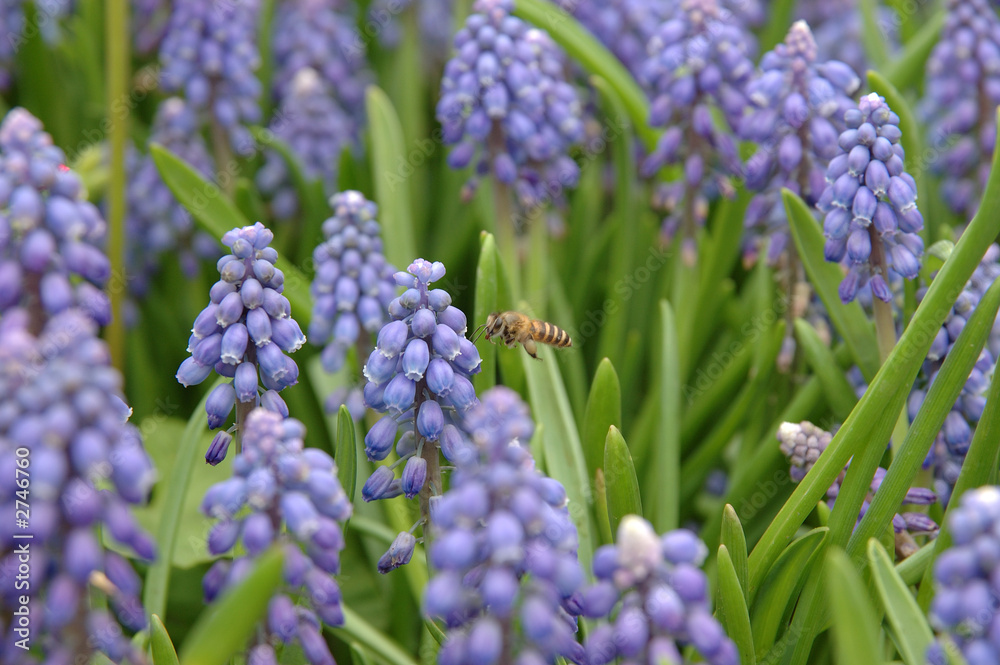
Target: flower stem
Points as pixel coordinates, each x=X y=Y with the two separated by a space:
x=118 y=66
x=506 y=236
x=885 y=329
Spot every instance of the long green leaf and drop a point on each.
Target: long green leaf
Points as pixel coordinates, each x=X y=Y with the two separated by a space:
x=855 y=624
x=346 y=452
x=905 y=71
x=594 y=57
x=911 y=569
x=621 y=485
x=839 y=392
x=849 y=320
x=358 y=630
x=206 y=202
x=666 y=466
x=487 y=286
x=392 y=184
x=305 y=187
x=160 y=644
x=604 y=409
x=224 y=628
x=157 y=581
x=736 y=543
x=908 y=624
x=872 y=34
x=732 y=609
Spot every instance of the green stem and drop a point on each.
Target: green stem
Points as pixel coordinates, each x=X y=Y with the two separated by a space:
x=506 y=237
x=118 y=66
x=223 y=152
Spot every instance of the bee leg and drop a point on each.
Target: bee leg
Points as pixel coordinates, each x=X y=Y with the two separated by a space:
x=531 y=348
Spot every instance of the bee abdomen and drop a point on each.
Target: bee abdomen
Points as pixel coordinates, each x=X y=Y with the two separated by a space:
x=546 y=333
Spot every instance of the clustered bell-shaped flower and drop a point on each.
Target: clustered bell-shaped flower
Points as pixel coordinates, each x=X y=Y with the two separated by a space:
x=281 y=492
x=49 y=233
x=870 y=203
x=697 y=61
x=664 y=605
x=418 y=375
x=507 y=108
x=157 y=222
x=352 y=288
x=961 y=93
x=504 y=550
x=967 y=581
x=952 y=442
x=798 y=113
x=803 y=443
x=67 y=450
x=316 y=130
x=210 y=55
x=247 y=325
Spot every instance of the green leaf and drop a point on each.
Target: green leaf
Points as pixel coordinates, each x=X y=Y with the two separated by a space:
x=157 y=581
x=224 y=628
x=732 y=609
x=42 y=91
x=779 y=19
x=782 y=586
x=247 y=200
x=855 y=623
x=160 y=644
x=305 y=187
x=604 y=409
x=486 y=303
x=736 y=544
x=666 y=463
x=906 y=71
x=872 y=35
x=911 y=569
x=346 y=452
x=392 y=187
x=594 y=57
x=849 y=320
x=837 y=389
x=356 y=629
x=563 y=453
x=621 y=485
x=907 y=623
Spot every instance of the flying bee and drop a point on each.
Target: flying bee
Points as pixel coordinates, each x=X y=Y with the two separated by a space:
x=513 y=327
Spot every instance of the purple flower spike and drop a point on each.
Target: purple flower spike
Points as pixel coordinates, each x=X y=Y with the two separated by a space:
x=507 y=108
x=272 y=445
x=872 y=249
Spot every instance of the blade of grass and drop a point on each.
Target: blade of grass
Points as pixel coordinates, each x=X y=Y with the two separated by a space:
x=907 y=622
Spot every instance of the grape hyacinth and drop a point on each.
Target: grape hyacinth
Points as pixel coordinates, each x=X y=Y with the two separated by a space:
x=664 y=600
x=352 y=288
x=962 y=91
x=967 y=581
x=506 y=106
x=798 y=113
x=157 y=223
x=803 y=443
x=210 y=55
x=418 y=375
x=284 y=493
x=316 y=130
x=49 y=233
x=952 y=442
x=321 y=35
x=697 y=60
x=247 y=325
x=504 y=550
x=149 y=24
x=11 y=23
x=63 y=425
x=870 y=203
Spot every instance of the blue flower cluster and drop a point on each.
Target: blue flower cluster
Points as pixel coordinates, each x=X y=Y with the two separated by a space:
x=697 y=61
x=64 y=427
x=870 y=203
x=282 y=492
x=246 y=325
x=352 y=288
x=803 y=443
x=506 y=104
x=418 y=375
x=157 y=223
x=11 y=23
x=49 y=233
x=961 y=93
x=797 y=114
x=504 y=550
x=664 y=605
x=210 y=55
x=149 y=24
x=967 y=580
x=317 y=131
x=952 y=442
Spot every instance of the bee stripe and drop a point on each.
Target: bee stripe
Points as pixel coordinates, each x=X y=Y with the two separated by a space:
x=562 y=338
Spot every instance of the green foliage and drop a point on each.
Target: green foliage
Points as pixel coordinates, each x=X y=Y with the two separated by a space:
x=622 y=486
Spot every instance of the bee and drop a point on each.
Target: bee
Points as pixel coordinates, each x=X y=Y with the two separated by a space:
x=513 y=327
